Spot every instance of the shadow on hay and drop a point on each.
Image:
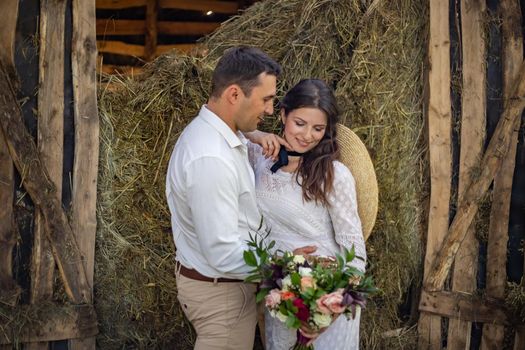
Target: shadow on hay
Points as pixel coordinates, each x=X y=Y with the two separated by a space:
x=371 y=52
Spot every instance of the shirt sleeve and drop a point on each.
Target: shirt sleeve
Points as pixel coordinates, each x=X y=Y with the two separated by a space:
x=344 y=215
x=213 y=198
x=254 y=153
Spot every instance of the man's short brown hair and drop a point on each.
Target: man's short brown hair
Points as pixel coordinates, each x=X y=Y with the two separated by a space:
x=242 y=65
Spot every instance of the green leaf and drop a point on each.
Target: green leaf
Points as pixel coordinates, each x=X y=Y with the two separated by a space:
x=350 y=255
x=291 y=321
x=252 y=278
x=296 y=279
x=249 y=258
x=261 y=294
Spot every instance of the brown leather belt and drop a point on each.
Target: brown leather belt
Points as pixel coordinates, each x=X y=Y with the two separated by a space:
x=195 y=275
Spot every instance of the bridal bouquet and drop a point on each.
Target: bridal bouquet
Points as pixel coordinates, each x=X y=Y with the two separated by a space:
x=306 y=293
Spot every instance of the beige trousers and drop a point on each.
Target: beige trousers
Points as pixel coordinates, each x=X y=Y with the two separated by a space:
x=223 y=314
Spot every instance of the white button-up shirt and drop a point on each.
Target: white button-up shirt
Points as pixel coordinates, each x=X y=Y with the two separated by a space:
x=211 y=196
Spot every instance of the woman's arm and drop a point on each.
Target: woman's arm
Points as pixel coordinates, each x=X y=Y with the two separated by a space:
x=344 y=215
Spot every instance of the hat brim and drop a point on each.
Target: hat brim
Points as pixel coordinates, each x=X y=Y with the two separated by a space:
x=355 y=157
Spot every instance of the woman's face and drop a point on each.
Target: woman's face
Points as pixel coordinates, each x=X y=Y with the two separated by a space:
x=304 y=128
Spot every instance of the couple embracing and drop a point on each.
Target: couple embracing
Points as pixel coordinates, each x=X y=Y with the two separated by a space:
x=224 y=175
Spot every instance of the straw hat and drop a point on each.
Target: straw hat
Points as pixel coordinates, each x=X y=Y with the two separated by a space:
x=355 y=156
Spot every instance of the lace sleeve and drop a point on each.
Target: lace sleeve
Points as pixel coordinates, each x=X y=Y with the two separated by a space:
x=344 y=216
x=254 y=152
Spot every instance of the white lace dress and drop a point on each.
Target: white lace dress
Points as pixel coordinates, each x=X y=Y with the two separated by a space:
x=295 y=223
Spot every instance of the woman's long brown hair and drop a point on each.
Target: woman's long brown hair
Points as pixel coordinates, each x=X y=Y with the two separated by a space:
x=316 y=170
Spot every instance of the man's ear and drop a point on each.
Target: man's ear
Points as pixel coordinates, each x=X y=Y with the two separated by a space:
x=232 y=94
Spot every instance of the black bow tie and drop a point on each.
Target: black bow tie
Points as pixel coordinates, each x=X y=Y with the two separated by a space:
x=283 y=159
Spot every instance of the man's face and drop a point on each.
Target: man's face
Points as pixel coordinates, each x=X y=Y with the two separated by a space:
x=253 y=108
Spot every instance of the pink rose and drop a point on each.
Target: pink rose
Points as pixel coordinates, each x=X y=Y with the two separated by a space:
x=321 y=306
x=307 y=282
x=273 y=299
x=331 y=303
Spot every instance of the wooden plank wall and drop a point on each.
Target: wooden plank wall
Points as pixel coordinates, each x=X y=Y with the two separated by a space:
x=64 y=239
x=150 y=27
x=9 y=289
x=439 y=137
x=85 y=168
x=455 y=266
x=512 y=53
x=50 y=142
x=472 y=139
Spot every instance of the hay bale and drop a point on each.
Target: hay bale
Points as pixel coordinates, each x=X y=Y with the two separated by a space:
x=371 y=52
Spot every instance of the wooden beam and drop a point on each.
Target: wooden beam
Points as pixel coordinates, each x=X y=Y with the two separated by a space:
x=85 y=167
x=184 y=48
x=119 y=4
x=53 y=322
x=464 y=306
x=152 y=11
x=122 y=70
x=440 y=153
x=8 y=287
x=50 y=134
x=227 y=7
x=491 y=162
x=138 y=27
x=50 y=142
x=519 y=339
x=512 y=52
x=121 y=27
x=9 y=9
x=121 y=48
x=36 y=181
x=473 y=99
x=187 y=28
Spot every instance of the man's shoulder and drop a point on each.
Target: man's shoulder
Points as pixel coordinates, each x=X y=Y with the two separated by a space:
x=202 y=139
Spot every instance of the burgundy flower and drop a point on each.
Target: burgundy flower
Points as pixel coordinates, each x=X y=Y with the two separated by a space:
x=302 y=311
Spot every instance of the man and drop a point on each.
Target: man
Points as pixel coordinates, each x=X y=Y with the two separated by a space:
x=211 y=196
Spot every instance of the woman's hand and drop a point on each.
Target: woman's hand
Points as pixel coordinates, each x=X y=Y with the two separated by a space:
x=270 y=143
x=306 y=250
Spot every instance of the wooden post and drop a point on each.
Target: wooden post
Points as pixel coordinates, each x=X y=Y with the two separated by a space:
x=85 y=168
x=472 y=139
x=36 y=181
x=502 y=189
x=491 y=162
x=50 y=141
x=9 y=290
x=439 y=134
x=152 y=10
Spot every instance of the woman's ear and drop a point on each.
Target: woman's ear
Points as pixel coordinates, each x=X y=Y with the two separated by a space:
x=283 y=116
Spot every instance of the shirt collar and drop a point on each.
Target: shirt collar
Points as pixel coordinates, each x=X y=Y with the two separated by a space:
x=233 y=139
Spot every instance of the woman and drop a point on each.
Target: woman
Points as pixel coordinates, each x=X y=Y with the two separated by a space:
x=311 y=201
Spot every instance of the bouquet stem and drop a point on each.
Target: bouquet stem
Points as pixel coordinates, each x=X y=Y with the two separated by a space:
x=302 y=342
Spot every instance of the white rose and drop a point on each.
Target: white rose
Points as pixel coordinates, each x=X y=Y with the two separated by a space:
x=287 y=282
x=298 y=259
x=322 y=320
x=305 y=271
x=281 y=317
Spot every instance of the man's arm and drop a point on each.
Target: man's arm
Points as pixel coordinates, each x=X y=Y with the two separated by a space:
x=213 y=196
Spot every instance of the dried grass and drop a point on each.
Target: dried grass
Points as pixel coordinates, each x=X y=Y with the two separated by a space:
x=371 y=52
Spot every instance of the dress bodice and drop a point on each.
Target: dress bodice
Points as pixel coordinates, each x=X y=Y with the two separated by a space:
x=294 y=222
